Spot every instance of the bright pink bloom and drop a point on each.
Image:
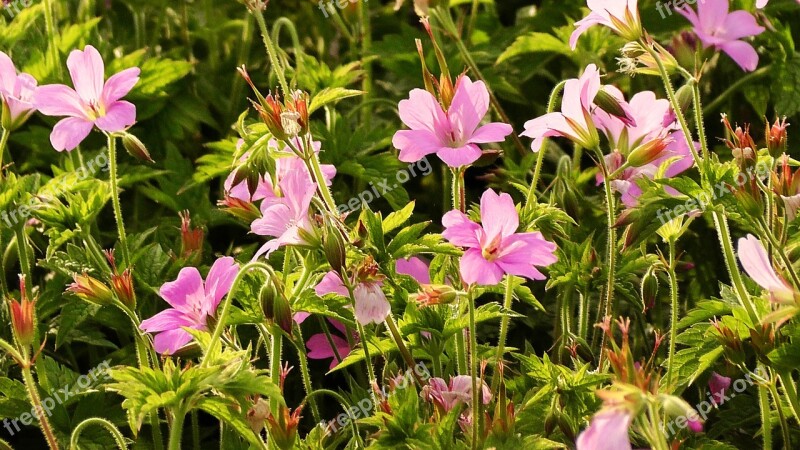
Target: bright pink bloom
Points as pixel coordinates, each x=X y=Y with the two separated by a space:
x=320 y=348
x=622 y=16
x=285 y=217
x=718 y=28
x=371 y=303
x=695 y=426
x=192 y=301
x=414 y=267
x=763 y=3
x=454 y=134
x=608 y=431
x=457 y=393
x=16 y=91
x=494 y=248
x=91 y=103
x=756 y=263
x=718 y=384
x=574 y=121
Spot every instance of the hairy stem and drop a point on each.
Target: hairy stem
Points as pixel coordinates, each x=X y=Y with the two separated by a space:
x=176 y=430
x=473 y=372
x=119 y=439
x=271 y=51
x=112 y=175
x=36 y=401
x=673 y=322
x=508 y=298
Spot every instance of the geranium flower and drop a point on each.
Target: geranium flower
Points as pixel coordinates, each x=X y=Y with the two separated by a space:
x=494 y=248
x=91 y=103
x=718 y=28
x=756 y=263
x=371 y=303
x=193 y=301
x=320 y=348
x=622 y=16
x=454 y=134
x=284 y=218
x=414 y=267
x=16 y=92
x=457 y=393
x=608 y=431
x=718 y=384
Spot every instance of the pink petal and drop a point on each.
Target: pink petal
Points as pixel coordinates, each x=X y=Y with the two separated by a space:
x=371 y=303
x=219 y=280
x=756 y=263
x=168 y=319
x=608 y=431
x=459 y=157
x=119 y=116
x=169 y=342
x=414 y=267
x=8 y=74
x=712 y=14
x=331 y=283
x=120 y=84
x=69 y=133
x=300 y=317
x=421 y=111
x=415 y=144
x=499 y=216
x=87 y=71
x=469 y=106
x=475 y=269
x=58 y=100
x=742 y=53
x=492 y=132
x=459 y=230
x=186 y=291
x=740 y=24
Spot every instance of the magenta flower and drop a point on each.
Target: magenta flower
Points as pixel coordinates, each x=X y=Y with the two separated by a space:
x=718 y=28
x=285 y=218
x=718 y=384
x=756 y=263
x=91 y=103
x=574 y=121
x=608 y=431
x=454 y=134
x=371 y=303
x=494 y=248
x=457 y=393
x=622 y=16
x=414 y=267
x=16 y=92
x=320 y=348
x=193 y=301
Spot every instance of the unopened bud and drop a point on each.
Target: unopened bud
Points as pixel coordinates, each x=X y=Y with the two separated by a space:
x=276 y=307
x=649 y=288
x=23 y=316
x=334 y=248
x=136 y=148
x=91 y=290
x=648 y=152
x=612 y=105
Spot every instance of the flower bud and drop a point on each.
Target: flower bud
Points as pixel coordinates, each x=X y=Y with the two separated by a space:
x=436 y=294
x=91 y=290
x=123 y=287
x=136 y=148
x=685 y=95
x=334 y=248
x=276 y=307
x=23 y=317
x=191 y=238
x=283 y=429
x=649 y=288
x=777 y=138
x=648 y=152
x=612 y=105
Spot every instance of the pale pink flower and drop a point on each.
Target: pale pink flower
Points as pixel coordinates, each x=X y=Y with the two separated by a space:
x=287 y=216
x=763 y=3
x=718 y=28
x=16 y=92
x=622 y=16
x=494 y=248
x=457 y=393
x=320 y=348
x=414 y=267
x=193 y=301
x=371 y=303
x=756 y=263
x=91 y=103
x=454 y=134
x=608 y=431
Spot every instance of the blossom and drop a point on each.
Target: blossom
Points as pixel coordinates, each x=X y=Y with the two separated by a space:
x=756 y=263
x=414 y=267
x=371 y=303
x=622 y=16
x=718 y=28
x=454 y=134
x=192 y=301
x=718 y=385
x=608 y=431
x=494 y=248
x=16 y=93
x=320 y=348
x=458 y=392
x=285 y=218
x=91 y=103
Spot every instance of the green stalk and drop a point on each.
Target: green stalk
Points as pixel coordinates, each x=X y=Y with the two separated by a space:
x=275 y=362
x=323 y=189
x=473 y=372
x=398 y=339
x=3 y=144
x=699 y=123
x=304 y=373
x=733 y=88
x=611 y=247
x=366 y=48
x=271 y=52
x=22 y=255
x=176 y=430
x=721 y=223
x=459 y=204
x=119 y=439
x=473 y=18
x=346 y=406
x=790 y=390
x=36 y=401
x=673 y=323
x=508 y=298
x=551 y=106
x=195 y=430
x=50 y=28
x=112 y=175
x=766 y=423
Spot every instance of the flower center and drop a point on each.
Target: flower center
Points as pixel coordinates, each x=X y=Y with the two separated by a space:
x=96 y=110
x=491 y=250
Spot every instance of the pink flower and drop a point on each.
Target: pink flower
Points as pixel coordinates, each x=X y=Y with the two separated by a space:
x=622 y=16
x=494 y=248
x=718 y=385
x=454 y=134
x=320 y=348
x=286 y=217
x=414 y=267
x=756 y=263
x=16 y=92
x=574 y=121
x=762 y=3
x=371 y=303
x=91 y=103
x=457 y=393
x=718 y=28
x=192 y=301
x=608 y=431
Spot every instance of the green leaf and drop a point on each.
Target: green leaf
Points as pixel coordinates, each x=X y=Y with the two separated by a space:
x=535 y=43
x=232 y=415
x=786 y=356
x=398 y=218
x=331 y=95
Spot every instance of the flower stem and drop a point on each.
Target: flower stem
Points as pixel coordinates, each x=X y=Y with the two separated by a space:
x=551 y=106
x=176 y=430
x=22 y=255
x=3 y=144
x=275 y=361
x=50 y=28
x=735 y=87
x=366 y=48
x=395 y=332
x=721 y=223
x=473 y=361
x=36 y=401
x=119 y=439
x=319 y=178
x=611 y=247
x=508 y=298
x=304 y=373
x=112 y=175
x=271 y=51
x=790 y=390
x=766 y=423
x=673 y=322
